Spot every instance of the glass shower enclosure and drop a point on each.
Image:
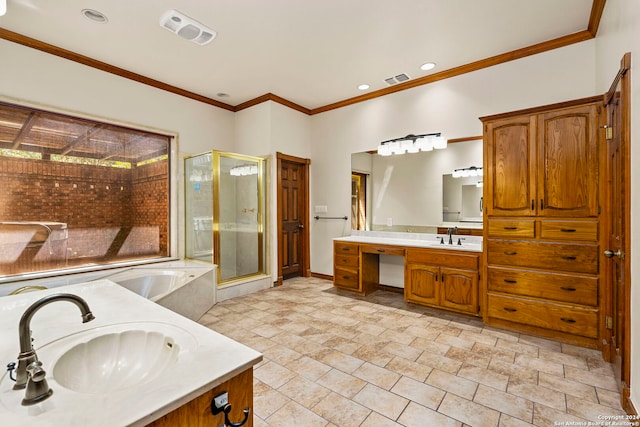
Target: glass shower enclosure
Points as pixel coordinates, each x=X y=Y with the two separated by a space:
x=225 y=213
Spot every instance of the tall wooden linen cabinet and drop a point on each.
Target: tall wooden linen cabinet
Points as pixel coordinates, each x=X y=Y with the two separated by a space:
x=542 y=225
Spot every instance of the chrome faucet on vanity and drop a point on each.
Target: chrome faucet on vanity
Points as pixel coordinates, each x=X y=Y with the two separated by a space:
x=29 y=373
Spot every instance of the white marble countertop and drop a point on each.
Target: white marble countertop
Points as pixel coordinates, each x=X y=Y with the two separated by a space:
x=207 y=360
x=418 y=240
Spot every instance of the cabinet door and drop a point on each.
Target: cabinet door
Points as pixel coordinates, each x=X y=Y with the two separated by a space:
x=459 y=289
x=422 y=284
x=568 y=162
x=510 y=151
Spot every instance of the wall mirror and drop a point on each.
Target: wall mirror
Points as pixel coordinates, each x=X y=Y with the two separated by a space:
x=415 y=192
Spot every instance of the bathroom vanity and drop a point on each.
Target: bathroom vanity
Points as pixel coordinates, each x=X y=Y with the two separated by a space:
x=135 y=364
x=436 y=273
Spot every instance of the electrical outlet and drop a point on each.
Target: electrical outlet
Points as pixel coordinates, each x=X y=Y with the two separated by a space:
x=219 y=402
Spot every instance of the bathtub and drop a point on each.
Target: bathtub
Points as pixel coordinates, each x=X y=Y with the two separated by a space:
x=189 y=290
x=185 y=287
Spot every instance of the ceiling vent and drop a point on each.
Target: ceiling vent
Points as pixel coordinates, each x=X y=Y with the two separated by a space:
x=187 y=28
x=397 y=79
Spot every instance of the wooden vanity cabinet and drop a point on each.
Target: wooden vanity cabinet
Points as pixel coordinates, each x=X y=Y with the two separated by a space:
x=442 y=278
x=542 y=231
x=197 y=412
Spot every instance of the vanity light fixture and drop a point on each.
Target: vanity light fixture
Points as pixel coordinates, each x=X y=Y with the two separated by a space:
x=412 y=144
x=465 y=172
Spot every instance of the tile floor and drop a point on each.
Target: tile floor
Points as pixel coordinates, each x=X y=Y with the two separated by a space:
x=336 y=359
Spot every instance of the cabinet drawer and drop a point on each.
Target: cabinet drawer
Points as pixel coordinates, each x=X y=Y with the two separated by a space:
x=555 y=316
x=349 y=262
x=444 y=258
x=571 y=288
x=511 y=228
x=579 y=258
x=569 y=230
x=382 y=249
x=345 y=248
x=345 y=278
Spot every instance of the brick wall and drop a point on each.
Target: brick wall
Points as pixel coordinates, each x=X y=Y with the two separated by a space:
x=111 y=213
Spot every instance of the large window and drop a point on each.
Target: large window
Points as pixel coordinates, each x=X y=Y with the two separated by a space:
x=77 y=192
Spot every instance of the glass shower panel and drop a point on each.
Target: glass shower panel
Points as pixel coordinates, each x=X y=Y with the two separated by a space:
x=238 y=213
x=199 y=207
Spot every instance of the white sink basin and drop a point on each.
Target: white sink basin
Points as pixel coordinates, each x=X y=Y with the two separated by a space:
x=115 y=361
x=115 y=357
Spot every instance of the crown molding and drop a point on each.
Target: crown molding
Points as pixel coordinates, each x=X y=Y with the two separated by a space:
x=597 y=9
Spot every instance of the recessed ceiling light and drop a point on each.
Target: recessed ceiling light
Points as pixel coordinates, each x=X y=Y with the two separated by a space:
x=95 y=16
x=428 y=66
x=363 y=87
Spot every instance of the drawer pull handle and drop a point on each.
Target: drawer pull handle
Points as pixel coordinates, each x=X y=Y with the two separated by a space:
x=569 y=258
x=510 y=228
x=346 y=249
x=380 y=250
x=510 y=253
x=567 y=320
x=567 y=288
x=510 y=281
x=568 y=230
x=510 y=310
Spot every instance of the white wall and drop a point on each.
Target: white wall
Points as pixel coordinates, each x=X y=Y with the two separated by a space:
x=264 y=130
x=39 y=79
x=450 y=106
x=620 y=33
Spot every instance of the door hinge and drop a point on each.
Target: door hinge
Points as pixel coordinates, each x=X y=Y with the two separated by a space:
x=608 y=322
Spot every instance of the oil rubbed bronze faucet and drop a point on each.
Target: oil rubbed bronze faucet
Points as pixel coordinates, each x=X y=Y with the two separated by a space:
x=29 y=373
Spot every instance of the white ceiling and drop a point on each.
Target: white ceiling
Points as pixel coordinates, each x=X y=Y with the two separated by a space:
x=311 y=52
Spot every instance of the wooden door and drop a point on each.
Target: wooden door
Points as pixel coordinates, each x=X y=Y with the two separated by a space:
x=568 y=162
x=423 y=284
x=510 y=183
x=460 y=289
x=617 y=286
x=293 y=213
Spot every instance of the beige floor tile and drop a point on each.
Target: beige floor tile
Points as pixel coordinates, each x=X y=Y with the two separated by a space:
x=404 y=351
x=453 y=384
x=419 y=392
x=567 y=386
x=509 y=421
x=374 y=374
x=341 y=411
x=376 y=420
x=418 y=416
x=381 y=401
x=469 y=357
x=545 y=396
x=294 y=415
x=484 y=376
x=544 y=416
x=589 y=410
x=442 y=363
x=410 y=360
x=305 y=392
x=373 y=355
x=506 y=403
x=587 y=377
x=468 y=412
x=541 y=365
x=344 y=362
x=273 y=374
x=341 y=383
x=267 y=400
x=410 y=369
